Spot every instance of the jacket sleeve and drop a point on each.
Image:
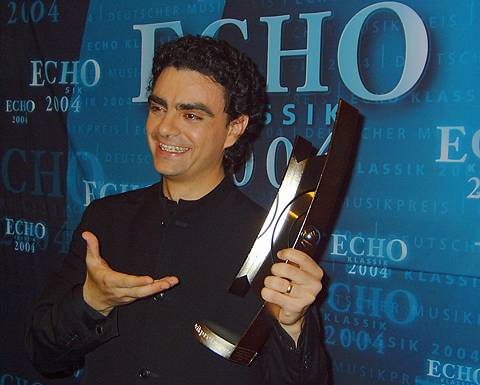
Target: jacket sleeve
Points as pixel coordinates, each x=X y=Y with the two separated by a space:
x=284 y=363
x=63 y=328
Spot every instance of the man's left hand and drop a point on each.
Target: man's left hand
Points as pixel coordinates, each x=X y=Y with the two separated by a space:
x=293 y=286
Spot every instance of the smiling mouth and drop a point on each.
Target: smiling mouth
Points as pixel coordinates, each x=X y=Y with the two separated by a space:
x=173 y=149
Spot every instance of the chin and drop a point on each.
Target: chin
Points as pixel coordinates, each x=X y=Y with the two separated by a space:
x=167 y=171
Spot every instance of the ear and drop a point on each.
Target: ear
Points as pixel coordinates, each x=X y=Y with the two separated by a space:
x=236 y=128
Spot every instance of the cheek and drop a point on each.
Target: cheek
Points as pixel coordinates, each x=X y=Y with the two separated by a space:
x=151 y=123
x=149 y=128
x=148 y=134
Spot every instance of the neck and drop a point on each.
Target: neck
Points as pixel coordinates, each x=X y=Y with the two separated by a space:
x=190 y=190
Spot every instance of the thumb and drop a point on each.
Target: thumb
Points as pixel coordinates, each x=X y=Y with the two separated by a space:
x=93 y=248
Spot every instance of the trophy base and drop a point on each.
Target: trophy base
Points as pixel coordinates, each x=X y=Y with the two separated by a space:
x=239 y=350
x=216 y=343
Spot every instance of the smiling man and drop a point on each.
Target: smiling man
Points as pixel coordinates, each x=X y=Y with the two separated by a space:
x=144 y=266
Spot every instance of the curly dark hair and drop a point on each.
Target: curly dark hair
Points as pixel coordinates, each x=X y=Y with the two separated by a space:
x=239 y=76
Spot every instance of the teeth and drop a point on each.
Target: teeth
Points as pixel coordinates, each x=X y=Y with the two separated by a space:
x=169 y=148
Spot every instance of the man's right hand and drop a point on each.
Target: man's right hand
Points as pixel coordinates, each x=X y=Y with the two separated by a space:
x=105 y=288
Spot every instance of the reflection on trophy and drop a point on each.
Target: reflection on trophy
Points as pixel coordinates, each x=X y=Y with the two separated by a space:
x=301 y=217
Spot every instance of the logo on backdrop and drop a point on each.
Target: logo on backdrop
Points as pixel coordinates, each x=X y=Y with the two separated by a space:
x=415 y=57
x=30 y=165
x=50 y=72
x=27 y=236
x=453 y=373
x=460 y=147
x=360 y=318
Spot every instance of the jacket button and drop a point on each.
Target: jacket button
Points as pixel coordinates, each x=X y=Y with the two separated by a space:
x=158 y=297
x=144 y=373
x=99 y=329
x=307 y=362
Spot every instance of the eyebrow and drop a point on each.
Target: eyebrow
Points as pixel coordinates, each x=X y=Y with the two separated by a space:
x=195 y=106
x=182 y=106
x=157 y=100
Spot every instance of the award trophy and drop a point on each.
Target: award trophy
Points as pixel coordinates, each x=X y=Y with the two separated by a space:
x=301 y=217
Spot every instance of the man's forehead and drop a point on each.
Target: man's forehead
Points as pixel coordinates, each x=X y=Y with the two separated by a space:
x=191 y=73
x=191 y=87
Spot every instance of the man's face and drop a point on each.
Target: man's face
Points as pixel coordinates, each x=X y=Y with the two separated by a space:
x=187 y=127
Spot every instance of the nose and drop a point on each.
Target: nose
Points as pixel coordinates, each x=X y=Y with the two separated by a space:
x=165 y=125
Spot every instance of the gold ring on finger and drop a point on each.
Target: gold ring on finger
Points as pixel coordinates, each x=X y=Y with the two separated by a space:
x=289 y=288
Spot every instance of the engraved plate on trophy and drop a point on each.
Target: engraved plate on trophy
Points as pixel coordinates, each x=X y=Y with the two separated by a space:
x=301 y=216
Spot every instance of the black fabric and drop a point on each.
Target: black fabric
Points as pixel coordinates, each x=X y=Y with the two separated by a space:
x=151 y=340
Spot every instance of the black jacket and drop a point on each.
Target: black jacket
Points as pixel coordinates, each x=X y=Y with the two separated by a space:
x=151 y=341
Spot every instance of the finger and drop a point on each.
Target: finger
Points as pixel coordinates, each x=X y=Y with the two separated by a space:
x=94 y=260
x=286 y=302
x=130 y=281
x=276 y=283
x=303 y=260
x=291 y=273
x=299 y=278
x=156 y=286
x=122 y=280
x=306 y=294
x=172 y=280
x=93 y=247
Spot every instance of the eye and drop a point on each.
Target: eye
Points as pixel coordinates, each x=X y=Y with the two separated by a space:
x=155 y=108
x=192 y=116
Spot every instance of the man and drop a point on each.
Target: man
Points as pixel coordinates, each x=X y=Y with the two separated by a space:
x=159 y=259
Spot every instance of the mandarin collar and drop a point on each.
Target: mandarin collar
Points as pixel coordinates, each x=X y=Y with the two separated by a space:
x=218 y=193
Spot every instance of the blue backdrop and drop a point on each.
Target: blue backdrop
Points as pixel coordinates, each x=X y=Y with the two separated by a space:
x=403 y=275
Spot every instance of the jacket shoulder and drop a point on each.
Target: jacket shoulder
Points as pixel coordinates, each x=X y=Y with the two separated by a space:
x=247 y=208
